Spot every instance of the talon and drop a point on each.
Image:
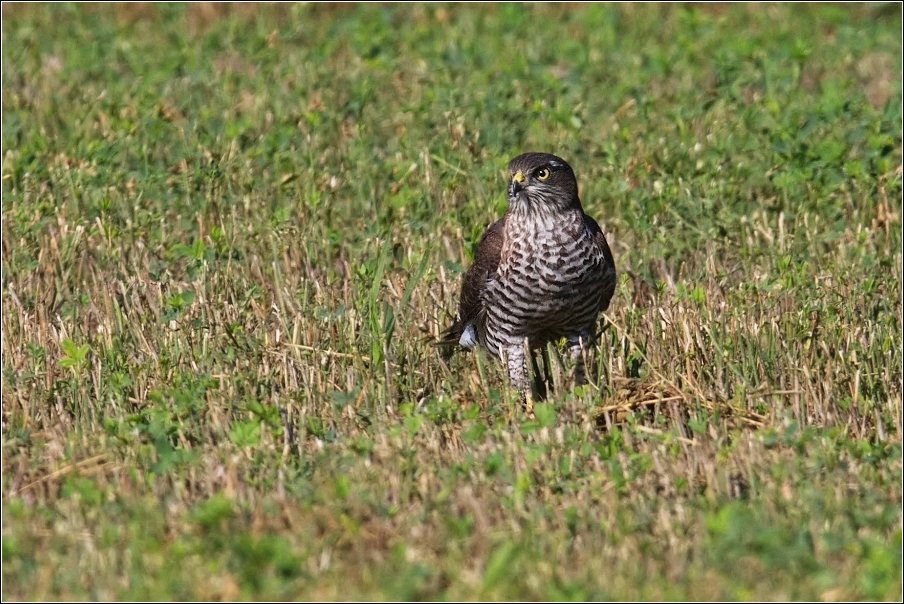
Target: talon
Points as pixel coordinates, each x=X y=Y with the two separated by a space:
x=529 y=403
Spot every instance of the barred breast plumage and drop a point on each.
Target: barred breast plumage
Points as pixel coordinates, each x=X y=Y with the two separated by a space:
x=542 y=272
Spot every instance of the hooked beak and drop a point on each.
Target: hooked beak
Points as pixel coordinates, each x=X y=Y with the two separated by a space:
x=517 y=184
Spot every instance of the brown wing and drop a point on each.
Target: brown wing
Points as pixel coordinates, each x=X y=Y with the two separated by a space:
x=470 y=306
x=603 y=245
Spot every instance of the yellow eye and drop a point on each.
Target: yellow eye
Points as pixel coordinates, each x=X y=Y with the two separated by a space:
x=542 y=173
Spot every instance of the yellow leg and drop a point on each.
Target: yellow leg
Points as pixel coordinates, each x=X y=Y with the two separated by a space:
x=529 y=402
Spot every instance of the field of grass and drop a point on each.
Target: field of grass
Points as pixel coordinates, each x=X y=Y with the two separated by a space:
x=231 y=233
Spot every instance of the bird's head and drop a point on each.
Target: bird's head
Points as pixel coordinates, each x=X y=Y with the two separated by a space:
x=541 y=182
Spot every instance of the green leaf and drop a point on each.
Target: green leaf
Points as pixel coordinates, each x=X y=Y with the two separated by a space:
x=545 y=414
x=245 y=433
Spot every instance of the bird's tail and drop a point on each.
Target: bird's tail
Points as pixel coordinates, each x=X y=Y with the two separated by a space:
x=449 y=342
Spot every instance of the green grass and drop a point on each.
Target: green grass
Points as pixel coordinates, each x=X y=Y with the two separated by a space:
x=230 y=235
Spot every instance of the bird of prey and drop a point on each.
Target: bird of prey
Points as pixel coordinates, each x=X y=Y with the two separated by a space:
x=542 y=272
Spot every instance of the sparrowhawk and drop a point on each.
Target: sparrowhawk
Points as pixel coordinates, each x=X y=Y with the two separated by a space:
x=542 y=272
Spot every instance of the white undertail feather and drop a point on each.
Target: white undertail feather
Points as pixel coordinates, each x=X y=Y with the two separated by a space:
x=468 y=337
